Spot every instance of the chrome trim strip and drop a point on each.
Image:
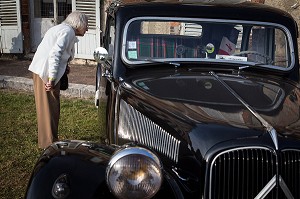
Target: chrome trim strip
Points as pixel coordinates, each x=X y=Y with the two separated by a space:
x=291 y=149
x=285 y=189
x=273 y=134
x=268 y=126
x=264 y=192
x=240 y=148
x=133 y=151
x=115 y=135
x=177 y=174
x=272 y=183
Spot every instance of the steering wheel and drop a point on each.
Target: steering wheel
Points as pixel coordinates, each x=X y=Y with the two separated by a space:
x=268 y=58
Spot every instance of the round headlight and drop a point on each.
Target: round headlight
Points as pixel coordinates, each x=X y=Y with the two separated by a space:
x=134 y=172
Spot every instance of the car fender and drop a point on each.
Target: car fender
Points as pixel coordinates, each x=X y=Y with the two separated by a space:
x=70 y=170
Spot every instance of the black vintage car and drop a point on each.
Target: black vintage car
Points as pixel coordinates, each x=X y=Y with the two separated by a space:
x=202 y=102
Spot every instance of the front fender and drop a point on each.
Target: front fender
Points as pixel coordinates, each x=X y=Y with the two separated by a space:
x=76 y=169
x=72 y=169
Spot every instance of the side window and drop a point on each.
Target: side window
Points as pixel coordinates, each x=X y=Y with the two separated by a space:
x=281 y=49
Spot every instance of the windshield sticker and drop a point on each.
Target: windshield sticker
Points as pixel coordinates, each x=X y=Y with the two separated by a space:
x=132 y=54
x=234 y=58
x=131 y=44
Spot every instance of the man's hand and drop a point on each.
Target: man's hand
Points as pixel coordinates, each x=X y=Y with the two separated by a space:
x=49 y=85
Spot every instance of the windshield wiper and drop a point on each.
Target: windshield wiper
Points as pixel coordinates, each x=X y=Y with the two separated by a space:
x=241 y=68
x=162 y=62
x=251 y=65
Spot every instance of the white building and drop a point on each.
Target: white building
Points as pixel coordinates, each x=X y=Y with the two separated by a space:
x=23 y=24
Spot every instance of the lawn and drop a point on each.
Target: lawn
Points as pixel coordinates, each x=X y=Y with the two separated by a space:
x=18 y=135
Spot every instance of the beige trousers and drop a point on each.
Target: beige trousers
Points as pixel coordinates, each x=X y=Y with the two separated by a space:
x=48 y=111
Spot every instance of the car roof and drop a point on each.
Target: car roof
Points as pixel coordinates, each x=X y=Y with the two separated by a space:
x=124 y=2
x=221 y=9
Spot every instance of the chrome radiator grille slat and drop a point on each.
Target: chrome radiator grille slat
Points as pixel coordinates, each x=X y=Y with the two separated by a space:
x=241 y=173
x=134 y=126
x=290 y=170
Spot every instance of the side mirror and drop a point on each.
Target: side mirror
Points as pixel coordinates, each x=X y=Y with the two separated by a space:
x=100 y=54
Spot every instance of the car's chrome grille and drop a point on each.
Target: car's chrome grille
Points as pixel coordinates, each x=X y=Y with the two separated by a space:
x=135 y=126
x=290 y=170
x=246 y=172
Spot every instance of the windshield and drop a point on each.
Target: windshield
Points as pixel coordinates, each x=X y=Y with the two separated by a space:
x=147 y=39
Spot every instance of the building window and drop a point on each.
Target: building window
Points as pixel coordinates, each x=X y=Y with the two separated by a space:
x=45 y=8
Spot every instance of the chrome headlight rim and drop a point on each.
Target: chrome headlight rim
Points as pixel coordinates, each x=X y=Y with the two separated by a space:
x=130 y=151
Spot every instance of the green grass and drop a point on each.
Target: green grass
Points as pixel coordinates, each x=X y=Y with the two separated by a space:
x=18 y=135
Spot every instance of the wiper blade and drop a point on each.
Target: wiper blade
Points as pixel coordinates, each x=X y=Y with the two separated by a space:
x=251 y=65
x=243 y=67
x=162 y=62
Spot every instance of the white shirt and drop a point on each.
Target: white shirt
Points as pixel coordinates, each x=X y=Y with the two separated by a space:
x=54 y=52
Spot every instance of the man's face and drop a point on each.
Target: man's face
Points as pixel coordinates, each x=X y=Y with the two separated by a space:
x=81 y=31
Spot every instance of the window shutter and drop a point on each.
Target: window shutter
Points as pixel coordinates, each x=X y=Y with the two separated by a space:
x=89 y=8
x=11 y=38
x=8 y=13
x=85 y=47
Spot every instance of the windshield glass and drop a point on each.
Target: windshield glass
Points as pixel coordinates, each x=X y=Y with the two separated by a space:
x=188 y=40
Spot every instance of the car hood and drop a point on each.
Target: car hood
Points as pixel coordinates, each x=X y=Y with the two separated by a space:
x=205 y=109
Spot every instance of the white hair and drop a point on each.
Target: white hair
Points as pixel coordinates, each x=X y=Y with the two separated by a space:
x=76 y=19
